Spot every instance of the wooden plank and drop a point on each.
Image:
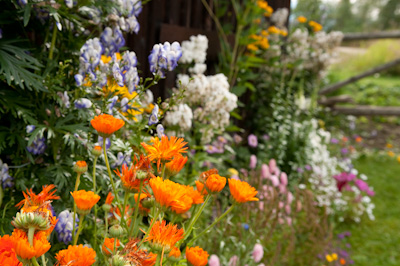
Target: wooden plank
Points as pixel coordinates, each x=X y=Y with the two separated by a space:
x=371 y=36
x=367 y=110
x=333 y=87
x=335 y=100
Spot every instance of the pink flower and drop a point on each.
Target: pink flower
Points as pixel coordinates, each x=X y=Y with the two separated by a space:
x=253 y=161
x=272 y=166
x=234 y=261
x=282 y=189
x=252 y=140
x=235 y=177
x=290 y=197
x=284 y=180
x=289 y=221
x=213 y=261
x=261 y=205
x=265 y=171
x=258 y=252
x=288 y=209
x=274 y=179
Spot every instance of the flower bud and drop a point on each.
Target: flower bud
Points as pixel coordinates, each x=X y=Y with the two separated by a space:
x=118 y=260
x=80 y=167
x=141 y=174
x=26 y=220
x=117 y=231
x=96 y=151
x=148 y=202
x=106 y=207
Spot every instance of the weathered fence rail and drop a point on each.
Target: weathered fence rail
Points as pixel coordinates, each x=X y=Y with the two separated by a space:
x=371 y=36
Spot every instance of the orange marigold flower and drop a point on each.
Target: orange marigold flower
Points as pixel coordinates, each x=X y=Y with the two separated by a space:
x=175 y=253
x=241 y=191
x=31 y=199
x=22 y=247
x=196 y=196
x=170 y=194
x=7 y=252
x=215 y=183
x=206 y=174
x=108 y=245
x=76 y=256
x=302 y=19
x=358 y=139
x=201 y=188
x=176 y=165
x=196 y=256
x=109 y=198
x=342 y=261
x=138 y=256
x=106 y=124
x=163 y=236
x=131 y=177
x=85 y=200
x=117 y=213
x=166 y=149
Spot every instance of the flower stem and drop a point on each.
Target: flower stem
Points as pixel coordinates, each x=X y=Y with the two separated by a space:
x=77 y=182
x=151 y=225
x=211 y=225
x=34 y=262
x=79 y=228
x=196 y=217
x=106 y=229
x=115 y=245
x=53 y=41
x=109 y=173
x=31 y=233
x=43 y=260
x=74 y=217
x=133 y=224
x=95 y=206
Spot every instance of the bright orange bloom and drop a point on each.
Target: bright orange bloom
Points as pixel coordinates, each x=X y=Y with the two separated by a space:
x=164 y=236
x=106 y=124
x=176 y=165
x=76 y=256
x=215 y=183
x=201 y=188
x=302 y=19
x=142 y=197
x=196 y=256
x=196 y=196
x=81 y=163
x=31 y=199
x=315 y=26
x=358 y=139
x=138 y=256
x=273 y=30
x=170 y=194
x=85 y=200
x=108 y=245
x=175 y=252
x=117 y=213
x=109 y=198
x=241 y=191
x=206 y=174
x=22 y=247
x=166 y=149
x=342 y=261
x=7 y=252
x=130 y=179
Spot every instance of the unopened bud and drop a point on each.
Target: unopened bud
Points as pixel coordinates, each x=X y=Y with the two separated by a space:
x=117 y=231
x=26 y=220
x=80 y=167
x=142 y=174
x=96 y=151
x=118 y=260
x=106 y=208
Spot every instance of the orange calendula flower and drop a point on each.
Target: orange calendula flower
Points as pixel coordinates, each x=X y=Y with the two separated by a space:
x=108 y=245
x=241 y=191
x=31 y=199
x=358 y=139
x=138 y=256
x=170 y=194
x=196 y=196
x=85 y=200
x=175 y=253
x=7 y=252
x=196 y=256
x=342 y=261
x=302 y=19
x=201 y=188
x=163 y=236
x=215 y=183
x=139 y=171
x=315 y=26
x=109 y=198
x=22 y=247
x=76 y=256
x=164 y=149
x=176 y=165
x=106 y=124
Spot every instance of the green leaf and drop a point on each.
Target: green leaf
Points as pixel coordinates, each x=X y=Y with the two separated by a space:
x=27 y=14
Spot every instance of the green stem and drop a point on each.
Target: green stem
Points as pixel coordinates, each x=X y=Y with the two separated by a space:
x=123 y=222
x=95 y=206
x=133 y=223
x=31 y=233
x=163 y=170
x=106 y=229
x=78 y=181
x=1 y=194
x=211 y=225
x=53 y=41
x=109 y=173
x=158 y=260
x=79 y=228
x=76 y=188
x=34 y=262
x=196 y=217
x=115 y=245
x=43 y=260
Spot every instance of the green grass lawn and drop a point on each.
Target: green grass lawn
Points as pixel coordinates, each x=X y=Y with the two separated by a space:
x=378 y=242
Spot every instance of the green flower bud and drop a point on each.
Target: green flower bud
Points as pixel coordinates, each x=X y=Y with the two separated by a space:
x=80 y=167
x=26 y=220
x=97 y=151
x=116 y=231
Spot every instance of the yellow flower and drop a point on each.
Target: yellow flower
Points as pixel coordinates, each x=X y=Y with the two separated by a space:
x=252 y=47
x=334 y=256
x=329 y=258
x=302 y=19
x=391 y=153
x=389 y=145
x=233 y=171
x=273 y=30
x=315 y=26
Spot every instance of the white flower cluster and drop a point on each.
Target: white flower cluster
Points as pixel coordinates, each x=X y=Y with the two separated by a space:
x=208 y=97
